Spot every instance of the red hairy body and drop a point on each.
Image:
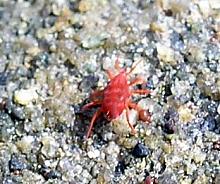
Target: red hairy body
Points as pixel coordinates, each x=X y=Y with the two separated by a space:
x=116 y=97
x=116 y=94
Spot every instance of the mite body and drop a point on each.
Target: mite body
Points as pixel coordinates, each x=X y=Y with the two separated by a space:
x=116 y=97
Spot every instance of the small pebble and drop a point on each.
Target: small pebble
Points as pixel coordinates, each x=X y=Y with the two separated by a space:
x=93 y=153
x=201 y=179
x=17 y=164
x=3 y=78
x=204 y=7
x=209 y=124
x=140 y=151
x=17 y=112
x=25 y=144
x=165 y=54
x=185 y=114
x=169 y=127
x=49 y=147
x=198 y=156
x=25 y=96
x=94 y=41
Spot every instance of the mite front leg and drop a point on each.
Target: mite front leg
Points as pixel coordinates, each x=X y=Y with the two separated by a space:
x=110 y=74
x=91 y=104
x=141 y=91
x=137 y=80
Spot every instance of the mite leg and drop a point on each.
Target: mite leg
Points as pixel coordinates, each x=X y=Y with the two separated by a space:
x=92 y=122
x=133 y=131
x=134 y=106
x=110 y=74
x=144 y=115
x=117 y=66
x=137 y=80
x=91 y=104
x=141 y=91
x=96 y=95
x=133 y=67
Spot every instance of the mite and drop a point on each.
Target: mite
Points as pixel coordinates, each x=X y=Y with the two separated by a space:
x=116 y=97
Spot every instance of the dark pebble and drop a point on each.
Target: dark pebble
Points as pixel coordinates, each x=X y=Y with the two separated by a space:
x=216 y=145
x=17 y=164
x=47 y=173
x=210 y=107
x=9 y=180
x=213 y=66
x=168 y=13
x=209 y=124
x=140 y=151
x=75 y=108
x=170 y=118
x=3 y=78
x=42 y=60
x=2 y=103
x=60 y=127
x=77 y=26
x=177 y=41
x=88 y=83
x=49 y=21
x=143 y=4
x=16 y=112
x=169 y=127
x=52 y=175
x=150 y=84
x=167 y=91
x=120 y=168
x=21 y=72
x=171 y=114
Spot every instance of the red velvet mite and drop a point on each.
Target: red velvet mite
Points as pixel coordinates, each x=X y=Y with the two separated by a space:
x=116 y=97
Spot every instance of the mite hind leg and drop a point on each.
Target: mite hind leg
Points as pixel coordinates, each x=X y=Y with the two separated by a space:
x=95 y=116
x=97 y=95
x=133 y=131
x=139 y=80
x=144 y=115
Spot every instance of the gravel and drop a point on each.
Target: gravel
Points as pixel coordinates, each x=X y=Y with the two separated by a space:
x=54 y=54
